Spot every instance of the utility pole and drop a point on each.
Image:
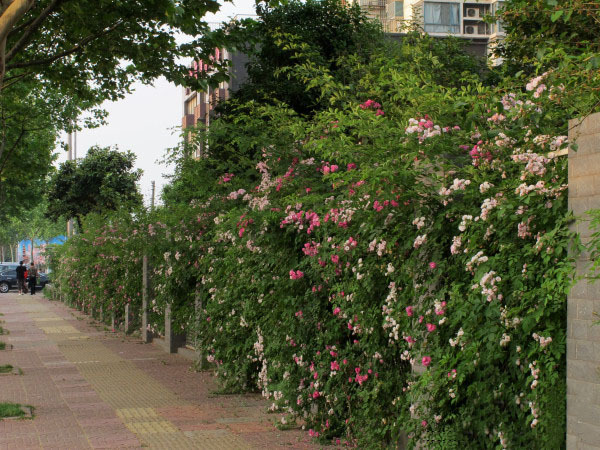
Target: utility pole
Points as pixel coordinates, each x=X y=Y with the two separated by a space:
x=70 y=158
x=152 y=198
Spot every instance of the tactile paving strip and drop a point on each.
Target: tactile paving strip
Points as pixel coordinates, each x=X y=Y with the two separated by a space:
x=132 y=393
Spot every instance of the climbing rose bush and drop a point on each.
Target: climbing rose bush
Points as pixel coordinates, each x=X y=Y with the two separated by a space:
x=381 y=270
x=375 y=274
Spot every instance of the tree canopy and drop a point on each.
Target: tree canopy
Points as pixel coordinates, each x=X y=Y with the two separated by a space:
x=102 y=181
x=60 y=58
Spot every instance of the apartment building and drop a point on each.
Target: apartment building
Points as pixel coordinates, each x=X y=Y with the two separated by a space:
x=199 y=106
x=460 y=18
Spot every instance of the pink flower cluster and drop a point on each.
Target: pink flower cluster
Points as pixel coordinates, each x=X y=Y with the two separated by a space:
x=371 y=104
x=296 y=275
x=226 y=178
x=301 y=217
x=478 y=154
x=329 y=168
x=311 y=248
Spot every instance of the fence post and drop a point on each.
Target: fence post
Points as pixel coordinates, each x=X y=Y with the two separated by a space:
x=146 y=333
x=127 y=318
x=169 y=341
x=197 y=310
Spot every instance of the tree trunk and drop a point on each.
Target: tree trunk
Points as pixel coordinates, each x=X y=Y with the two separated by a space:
x=2 y=253
x=12 y=256
x=11 y=12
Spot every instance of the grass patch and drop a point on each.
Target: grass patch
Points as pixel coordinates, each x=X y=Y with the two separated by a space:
x=2 y=345
x=6 y=368
x=11 y=410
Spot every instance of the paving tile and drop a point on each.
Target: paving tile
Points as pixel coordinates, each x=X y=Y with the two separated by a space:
x=99 y=390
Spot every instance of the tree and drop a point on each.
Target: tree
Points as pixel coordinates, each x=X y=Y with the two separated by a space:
x=35 y=225
x=59 y=58
x=10 y=235
x=547 y=29
x=102 y=181
x=97 y=44
x=28 y=133
x=327 y=29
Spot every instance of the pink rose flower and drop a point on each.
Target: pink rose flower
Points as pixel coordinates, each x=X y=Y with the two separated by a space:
x=426 y=361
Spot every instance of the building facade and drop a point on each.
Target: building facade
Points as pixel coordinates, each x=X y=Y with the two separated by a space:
x=199 y=106
x=463 y=19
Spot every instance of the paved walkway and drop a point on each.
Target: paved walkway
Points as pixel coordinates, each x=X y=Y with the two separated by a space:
x=95 y=389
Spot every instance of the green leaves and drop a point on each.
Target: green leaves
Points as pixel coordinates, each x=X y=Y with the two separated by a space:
x=100 y=182
x=557 y=15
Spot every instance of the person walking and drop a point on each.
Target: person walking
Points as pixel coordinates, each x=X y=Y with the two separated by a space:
x=32 y=278
x=21 y=269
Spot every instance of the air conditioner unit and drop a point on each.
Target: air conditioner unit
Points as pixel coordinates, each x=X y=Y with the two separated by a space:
x=472 y=13
x=469 y=29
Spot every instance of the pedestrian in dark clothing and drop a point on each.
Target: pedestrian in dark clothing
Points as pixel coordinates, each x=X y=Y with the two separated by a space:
x=32 y=278
x=21 y=269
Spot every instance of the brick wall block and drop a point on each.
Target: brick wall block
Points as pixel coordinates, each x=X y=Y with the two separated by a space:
x=584 y=411
x=593 y=333
x=587 y=351
x=587 y=433
x=585 y=446
x=583 y=371
x=586 y=144
x=585 y=165
x=580 y=328
x=579 y=290
x=588 y=309
x=579 y=205
x=571 y=442
x=579 y=128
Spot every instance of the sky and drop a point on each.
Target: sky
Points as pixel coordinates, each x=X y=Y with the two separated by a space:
x=146 y=120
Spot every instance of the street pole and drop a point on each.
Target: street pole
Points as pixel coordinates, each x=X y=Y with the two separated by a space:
x=152 y=198
x=146 y=284
x=70 y=158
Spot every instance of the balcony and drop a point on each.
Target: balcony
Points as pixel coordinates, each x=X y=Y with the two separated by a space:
x=187 y=121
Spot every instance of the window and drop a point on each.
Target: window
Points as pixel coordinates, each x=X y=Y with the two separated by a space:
x=442 y=17
x=395 y=9
x=498 y=28
x=191 y=104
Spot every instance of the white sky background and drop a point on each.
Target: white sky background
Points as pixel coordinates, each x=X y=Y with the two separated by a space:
x=145 y=121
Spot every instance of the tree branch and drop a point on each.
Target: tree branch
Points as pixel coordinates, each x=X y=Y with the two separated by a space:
x=14 y=80
x=12 y=14
x=21 y=27
x=37 y=22
x=12 y=149
x=9 y=17
x=76 y=48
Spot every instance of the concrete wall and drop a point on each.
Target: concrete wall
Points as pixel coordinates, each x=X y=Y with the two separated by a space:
x=583 y=337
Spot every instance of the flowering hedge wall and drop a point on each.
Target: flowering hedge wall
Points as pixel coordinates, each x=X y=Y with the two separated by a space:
x=394 y=265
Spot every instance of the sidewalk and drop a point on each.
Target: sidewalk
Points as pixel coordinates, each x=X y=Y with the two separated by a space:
x=95 y=389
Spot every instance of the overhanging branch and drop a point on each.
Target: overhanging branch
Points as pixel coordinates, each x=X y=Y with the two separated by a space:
x=35 y=25
x=76 y=48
